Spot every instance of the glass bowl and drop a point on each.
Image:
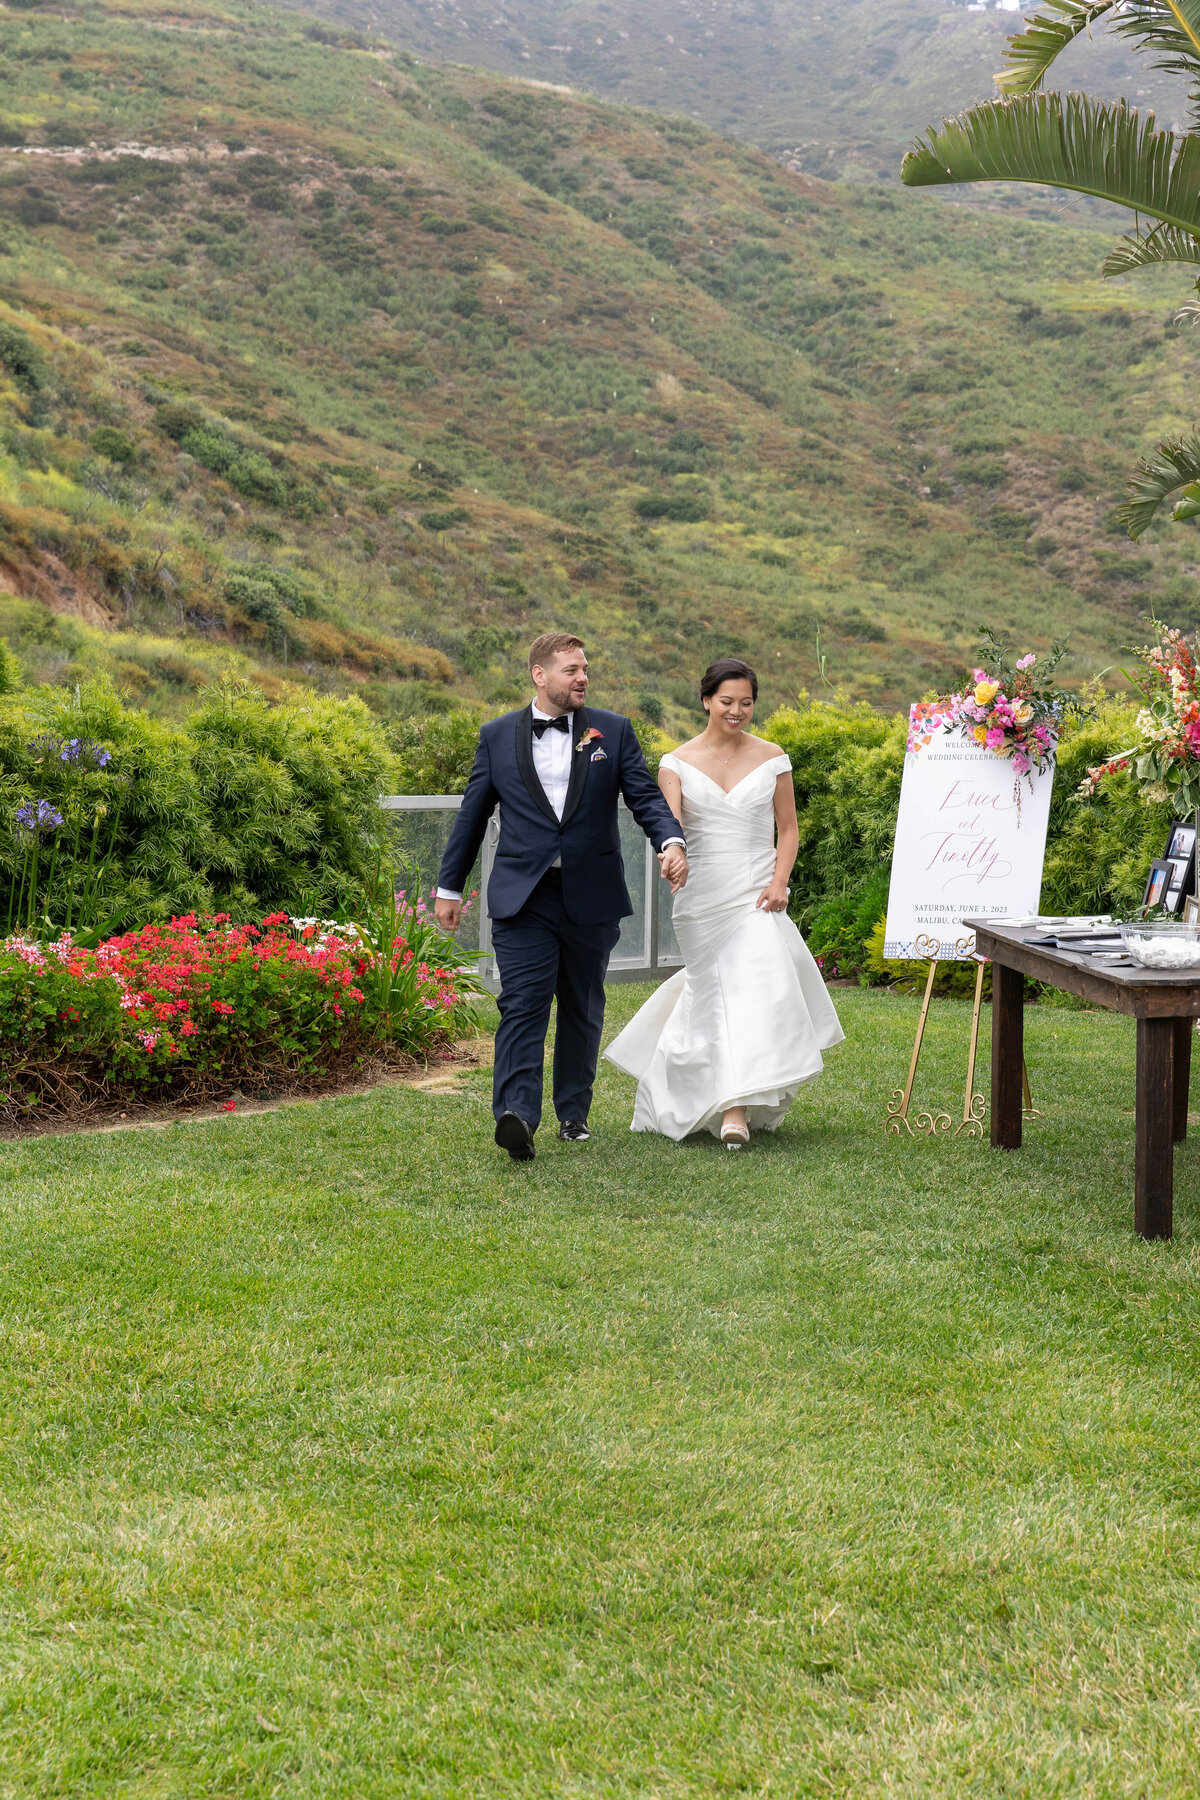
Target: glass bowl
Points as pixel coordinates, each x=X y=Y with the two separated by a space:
x=1165 y=944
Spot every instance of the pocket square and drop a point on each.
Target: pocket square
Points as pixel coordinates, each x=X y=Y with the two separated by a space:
x=599 y=756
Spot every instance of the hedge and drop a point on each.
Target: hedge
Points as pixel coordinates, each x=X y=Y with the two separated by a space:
x=109 y=815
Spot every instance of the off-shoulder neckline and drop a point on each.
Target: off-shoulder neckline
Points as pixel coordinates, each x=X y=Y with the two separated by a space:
x=682 y=763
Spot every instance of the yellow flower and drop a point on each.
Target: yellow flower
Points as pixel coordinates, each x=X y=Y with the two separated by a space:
x=979 y=733
x=1023 y=713
x=986 y=692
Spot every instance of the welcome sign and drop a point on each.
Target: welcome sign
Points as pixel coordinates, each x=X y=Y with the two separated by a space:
x=968 y=844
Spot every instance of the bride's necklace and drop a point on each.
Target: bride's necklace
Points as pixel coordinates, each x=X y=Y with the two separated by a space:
x=726 y=760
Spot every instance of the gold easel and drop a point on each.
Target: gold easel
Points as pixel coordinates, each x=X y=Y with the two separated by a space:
x=974 y=1105
x=928 y=1123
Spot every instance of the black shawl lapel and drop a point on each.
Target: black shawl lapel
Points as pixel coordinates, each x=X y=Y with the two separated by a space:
x=579 y=762
x=537 y=793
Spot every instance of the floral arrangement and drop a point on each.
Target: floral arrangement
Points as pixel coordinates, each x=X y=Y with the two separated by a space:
x=1014 y=710
x=1165 y=762
x=200 y=1005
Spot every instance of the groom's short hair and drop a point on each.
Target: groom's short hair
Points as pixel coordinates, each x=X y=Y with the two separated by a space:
x=544 y=648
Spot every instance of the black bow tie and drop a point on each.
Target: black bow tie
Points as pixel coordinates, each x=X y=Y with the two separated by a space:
x=560 y=724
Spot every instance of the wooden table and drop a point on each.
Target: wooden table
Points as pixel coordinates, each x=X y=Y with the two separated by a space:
x=1165 y=1007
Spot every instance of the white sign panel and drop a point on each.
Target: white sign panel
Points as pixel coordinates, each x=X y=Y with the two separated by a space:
x=964 y=847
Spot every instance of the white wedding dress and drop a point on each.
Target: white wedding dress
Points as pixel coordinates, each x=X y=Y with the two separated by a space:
x=745 y=1021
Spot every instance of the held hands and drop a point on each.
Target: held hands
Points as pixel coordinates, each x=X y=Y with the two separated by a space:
x=674 y=866
x=448 y=913
x=773 y=898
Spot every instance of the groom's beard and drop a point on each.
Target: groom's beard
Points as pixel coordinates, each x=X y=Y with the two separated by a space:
x=565 y=698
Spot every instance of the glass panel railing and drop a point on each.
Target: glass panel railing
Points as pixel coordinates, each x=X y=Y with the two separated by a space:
x=416 y=833
x=633 y=945
x=416 y=830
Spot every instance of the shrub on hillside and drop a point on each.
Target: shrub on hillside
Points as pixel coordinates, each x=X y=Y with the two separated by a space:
x=682 y=508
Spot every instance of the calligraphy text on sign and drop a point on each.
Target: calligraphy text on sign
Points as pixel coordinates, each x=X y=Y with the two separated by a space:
x=963 y=846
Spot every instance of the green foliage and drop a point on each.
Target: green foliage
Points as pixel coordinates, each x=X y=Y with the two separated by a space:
x=291 y=794
x=685 y=507
x=328 y=377
x=1106 y=150
x=433 y=752
x=1099 y=850
x=116 y=445
x=19 y=356
x=245 y=806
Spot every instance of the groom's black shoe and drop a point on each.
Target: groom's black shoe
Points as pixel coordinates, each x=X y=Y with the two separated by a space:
x=574 y=1131
x=515 y=1136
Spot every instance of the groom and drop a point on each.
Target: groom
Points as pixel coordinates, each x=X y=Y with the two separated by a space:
x=557 y=890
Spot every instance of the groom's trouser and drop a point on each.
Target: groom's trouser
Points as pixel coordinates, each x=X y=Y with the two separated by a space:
x=541 y=956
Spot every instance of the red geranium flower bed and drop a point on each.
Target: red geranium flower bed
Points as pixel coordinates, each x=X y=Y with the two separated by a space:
x=203 y=1005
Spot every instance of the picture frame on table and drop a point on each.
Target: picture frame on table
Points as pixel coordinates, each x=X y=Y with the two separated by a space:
x=1191 y=910
x=1180 y=852
x=1157 y=883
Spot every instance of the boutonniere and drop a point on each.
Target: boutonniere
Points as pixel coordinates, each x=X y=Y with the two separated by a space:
x=589 y=737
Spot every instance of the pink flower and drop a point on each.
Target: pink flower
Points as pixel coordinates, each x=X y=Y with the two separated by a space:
x=221 y=1006
x=995 y=738
x=1026 y=662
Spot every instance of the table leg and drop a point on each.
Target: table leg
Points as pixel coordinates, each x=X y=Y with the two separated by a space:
x=1155 y=1177
x=1185 y=1031
x=1008 y=1055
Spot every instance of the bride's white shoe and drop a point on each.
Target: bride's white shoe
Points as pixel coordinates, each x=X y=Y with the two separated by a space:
x=735 y=1137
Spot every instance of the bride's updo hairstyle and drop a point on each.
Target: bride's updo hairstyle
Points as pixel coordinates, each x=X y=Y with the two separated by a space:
x=726 y=668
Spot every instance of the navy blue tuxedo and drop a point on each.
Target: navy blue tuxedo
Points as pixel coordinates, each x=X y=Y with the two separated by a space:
x=531 y=838
x=553 y=929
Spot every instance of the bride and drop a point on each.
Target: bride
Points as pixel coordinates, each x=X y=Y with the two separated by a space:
x=724 y=1045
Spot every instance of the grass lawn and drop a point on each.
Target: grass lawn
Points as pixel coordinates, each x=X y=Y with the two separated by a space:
x=341 y=1456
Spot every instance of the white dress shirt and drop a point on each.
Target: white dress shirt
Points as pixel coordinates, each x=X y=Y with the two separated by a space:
x=552 y=763
x=552 y=753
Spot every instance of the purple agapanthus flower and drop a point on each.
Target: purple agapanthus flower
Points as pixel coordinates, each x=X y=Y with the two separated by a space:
x=48 y=744
x=83 y=750
x=40 y=819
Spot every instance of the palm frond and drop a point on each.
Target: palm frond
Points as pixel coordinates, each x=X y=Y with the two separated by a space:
x=1162 y=244
x=1043 y=37
x=1067 y=141
x=1169 y=29
x=1175 y=465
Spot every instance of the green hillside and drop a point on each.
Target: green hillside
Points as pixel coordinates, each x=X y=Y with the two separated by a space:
x=839 y=87
x=343 y=367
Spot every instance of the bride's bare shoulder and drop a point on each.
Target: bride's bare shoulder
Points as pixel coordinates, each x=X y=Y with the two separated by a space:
x=680 y=751
x=765 y=751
